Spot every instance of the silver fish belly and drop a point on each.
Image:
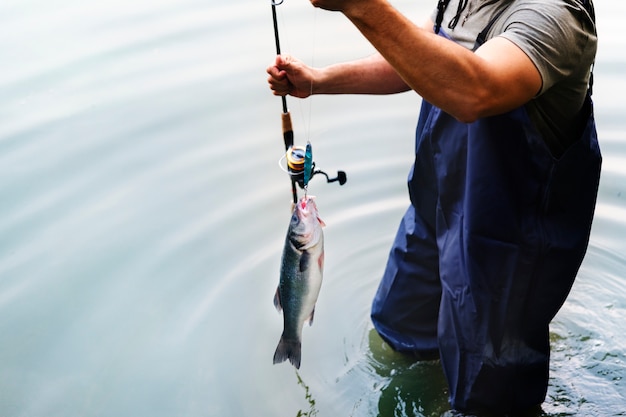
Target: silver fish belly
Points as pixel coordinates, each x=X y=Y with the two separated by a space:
x=300 y=278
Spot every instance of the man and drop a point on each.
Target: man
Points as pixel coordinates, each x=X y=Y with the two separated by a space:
x=503 y=187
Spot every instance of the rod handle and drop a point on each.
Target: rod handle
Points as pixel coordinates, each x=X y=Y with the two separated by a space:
x=287 y=130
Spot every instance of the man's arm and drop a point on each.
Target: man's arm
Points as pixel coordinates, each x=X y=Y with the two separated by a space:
x=371 y=75
x=496 y=78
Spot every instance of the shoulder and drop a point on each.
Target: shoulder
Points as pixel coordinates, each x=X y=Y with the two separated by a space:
x=552 y=14
x=559 y=36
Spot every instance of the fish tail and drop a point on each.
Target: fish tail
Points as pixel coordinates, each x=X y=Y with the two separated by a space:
x=288 y=349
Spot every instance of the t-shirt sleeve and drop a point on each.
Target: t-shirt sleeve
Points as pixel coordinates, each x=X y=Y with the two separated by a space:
x=554 y=35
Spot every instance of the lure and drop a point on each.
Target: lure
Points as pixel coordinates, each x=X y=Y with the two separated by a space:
x=308 y=164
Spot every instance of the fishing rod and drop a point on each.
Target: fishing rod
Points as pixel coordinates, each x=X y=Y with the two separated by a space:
x=300 y=165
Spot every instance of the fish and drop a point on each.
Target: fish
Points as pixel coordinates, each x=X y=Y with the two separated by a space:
x=301 y=271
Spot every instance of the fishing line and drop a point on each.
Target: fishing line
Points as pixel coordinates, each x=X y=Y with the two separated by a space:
x=308 y=152
x=308 y=128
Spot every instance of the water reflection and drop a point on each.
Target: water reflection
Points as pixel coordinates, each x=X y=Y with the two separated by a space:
x=312 y=411
x=411 y=388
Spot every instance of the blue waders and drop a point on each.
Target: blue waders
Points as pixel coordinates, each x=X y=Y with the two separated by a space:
x=487 y=253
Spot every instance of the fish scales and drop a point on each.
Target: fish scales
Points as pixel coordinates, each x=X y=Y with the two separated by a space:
x=300 y=281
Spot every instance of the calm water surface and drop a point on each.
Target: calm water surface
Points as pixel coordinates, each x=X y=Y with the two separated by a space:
x=142 y=213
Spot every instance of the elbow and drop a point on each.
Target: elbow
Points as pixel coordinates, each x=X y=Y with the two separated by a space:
x=483 y=103
x=473 y=108
x=468 y=114
x=466 y=117
x=471 y=104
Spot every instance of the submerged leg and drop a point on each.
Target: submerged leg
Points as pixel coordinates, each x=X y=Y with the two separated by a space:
x=406 y=305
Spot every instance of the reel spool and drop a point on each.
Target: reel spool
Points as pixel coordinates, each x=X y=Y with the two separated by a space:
x=295 y=164
x=296 y=168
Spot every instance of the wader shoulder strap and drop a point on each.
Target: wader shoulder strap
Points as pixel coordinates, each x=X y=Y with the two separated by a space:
x=482 y=36
x=442 y=5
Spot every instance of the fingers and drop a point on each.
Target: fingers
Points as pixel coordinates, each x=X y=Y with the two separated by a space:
x=281 y=64
x=275 y=74
x=278 y=79
x=288 y=76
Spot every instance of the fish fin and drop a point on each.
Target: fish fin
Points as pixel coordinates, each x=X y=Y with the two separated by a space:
x=310 y=318
x=288 y=349
x=304 y=260
x=277 y=304
x=321 y=222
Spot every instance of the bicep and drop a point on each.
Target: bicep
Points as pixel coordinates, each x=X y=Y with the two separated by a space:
x=512 y=77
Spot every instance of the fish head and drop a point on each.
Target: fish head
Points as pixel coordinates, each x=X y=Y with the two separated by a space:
x=305 y=229
x=306 y=211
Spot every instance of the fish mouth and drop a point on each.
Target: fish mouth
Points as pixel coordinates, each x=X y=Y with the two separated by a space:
x=307 y=205
x=307 y=208
x=306 y=201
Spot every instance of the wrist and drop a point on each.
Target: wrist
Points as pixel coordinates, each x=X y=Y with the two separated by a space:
x=320 y=79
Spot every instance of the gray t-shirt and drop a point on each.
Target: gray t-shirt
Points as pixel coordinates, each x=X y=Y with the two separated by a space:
x=560 y=39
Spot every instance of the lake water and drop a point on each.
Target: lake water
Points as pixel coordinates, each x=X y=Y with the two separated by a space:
x=142 y=215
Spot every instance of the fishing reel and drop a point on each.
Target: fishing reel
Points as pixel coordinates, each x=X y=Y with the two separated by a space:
x=301 y=167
